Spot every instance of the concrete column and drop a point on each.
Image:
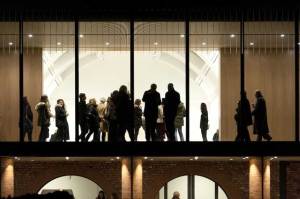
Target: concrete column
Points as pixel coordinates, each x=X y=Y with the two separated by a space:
x=7 y=177
x=138 y=179
x=126 y=178
x=255 y=179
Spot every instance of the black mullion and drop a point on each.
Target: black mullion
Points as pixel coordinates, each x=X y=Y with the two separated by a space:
x=242 y=55
x=132 y=72
x=76 y=80
x=216 y=191
x=297 y=75
x=166 y=191
x=21 y=80
x=187 y=79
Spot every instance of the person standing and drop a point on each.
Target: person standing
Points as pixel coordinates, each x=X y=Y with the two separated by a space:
x=44 y=115
x=161 y=126
x=82 y=117
x=260 y=127
x=138 y=113
x=111 y=117
x=176 y=195
x=172 y=100
x=243 y=119
x=103 y=123
x=204 y=122
x=179 y=121
x=28 y=119
x=152 y=101
x=61 y=121
x=93 y=120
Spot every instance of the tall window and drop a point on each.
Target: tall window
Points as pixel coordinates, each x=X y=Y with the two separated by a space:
x=160 y=59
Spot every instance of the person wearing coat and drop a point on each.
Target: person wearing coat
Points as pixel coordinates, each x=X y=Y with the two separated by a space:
x=82 y=116
x=172 y=100
x=61 y=121
x=28 y=119
x=138 y=113
x=103 y=122
x=260 y=127
x=93 y=121
x=44 y=115
x=152 y=101
x=111 y=117
x=204 y=121
x=179 y=122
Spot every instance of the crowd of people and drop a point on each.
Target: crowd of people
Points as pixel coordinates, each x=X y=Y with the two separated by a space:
x=162 y=118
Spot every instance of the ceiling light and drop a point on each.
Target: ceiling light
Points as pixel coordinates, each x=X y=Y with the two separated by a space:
x=299 y=43
x=67 y=158
x=118 y=158
x=145 y=158
x=196 y=157
x=58 y=43
x=81 y=36
x=230 y=159
x=30 y=35
x=151 y=159
x=155 y=43
x=203 y=43
x=182 y=36
x=251 y=44
x=10 y=43
x=112 y=159
x=191 y=159
x=282 y=35
x=244 y=158
x=107 y=43
x=17 y=158
x=232 y=35
x=275 y=157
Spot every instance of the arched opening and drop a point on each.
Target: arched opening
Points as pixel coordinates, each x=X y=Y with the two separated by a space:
x=192 y=187
x=79 y=187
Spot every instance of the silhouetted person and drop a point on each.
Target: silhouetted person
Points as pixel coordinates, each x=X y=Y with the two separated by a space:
x=101 y=195
x=61 y=121
x=124 y=114
x=172 y=98
x=94 y=121
x=111 y=116
x=28 y=119
x=152 y=100
x=176 y=195
x=102 y=106
x=260 y=126
x=138 y=113
x=243 y=119
x=82 y=116
x=204 y=121
x=179 y=121
x=216 y=136
x=44 y=115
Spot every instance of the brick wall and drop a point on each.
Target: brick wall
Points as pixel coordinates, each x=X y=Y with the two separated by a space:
x=233 y=177
x=293 y=180
x=30 y=177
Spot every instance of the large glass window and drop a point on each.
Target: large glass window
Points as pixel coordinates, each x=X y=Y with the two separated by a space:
x=9 y=81
x=49 y=80
x=104 y=71
x=269 y=79
x=214 y=80
x=160 y=60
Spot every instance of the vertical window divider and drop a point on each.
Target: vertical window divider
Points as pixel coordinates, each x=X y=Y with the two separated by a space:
x=296 y=75
x=187 y=75
x=132 y=71
x=76 y=79
x=21 y=80
x=242 y=52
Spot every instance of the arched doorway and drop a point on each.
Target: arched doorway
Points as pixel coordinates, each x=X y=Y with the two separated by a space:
x=192 y=187
x=79 y=187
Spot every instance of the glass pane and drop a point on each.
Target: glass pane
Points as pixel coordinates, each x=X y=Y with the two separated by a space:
x=49 y=79
x=104 y=66
x=221 y=193
x=214 y=80
x=9 y=81
x=160 y=60
x=269 y=79
x=178 y=185
x=162 y=193
x=204 y=188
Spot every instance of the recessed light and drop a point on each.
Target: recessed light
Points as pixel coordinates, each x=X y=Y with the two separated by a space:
x=151 y=159
x=230 y=159
x=244 y=158
x=298 y=43
x=107 y=43
x=191 y=159
x=81 y=36
x=251 y=44
x=30 y=35
x=182 y=35
x=58 y=43
x=282 y=35
x=155 y=43
x=232 y=35
x=203 y=43
x=118 y=158
x=145 y=158
x=196 y=157
x=112 y=159
x=275 y=157
x=10 y=43
x=67 y=158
